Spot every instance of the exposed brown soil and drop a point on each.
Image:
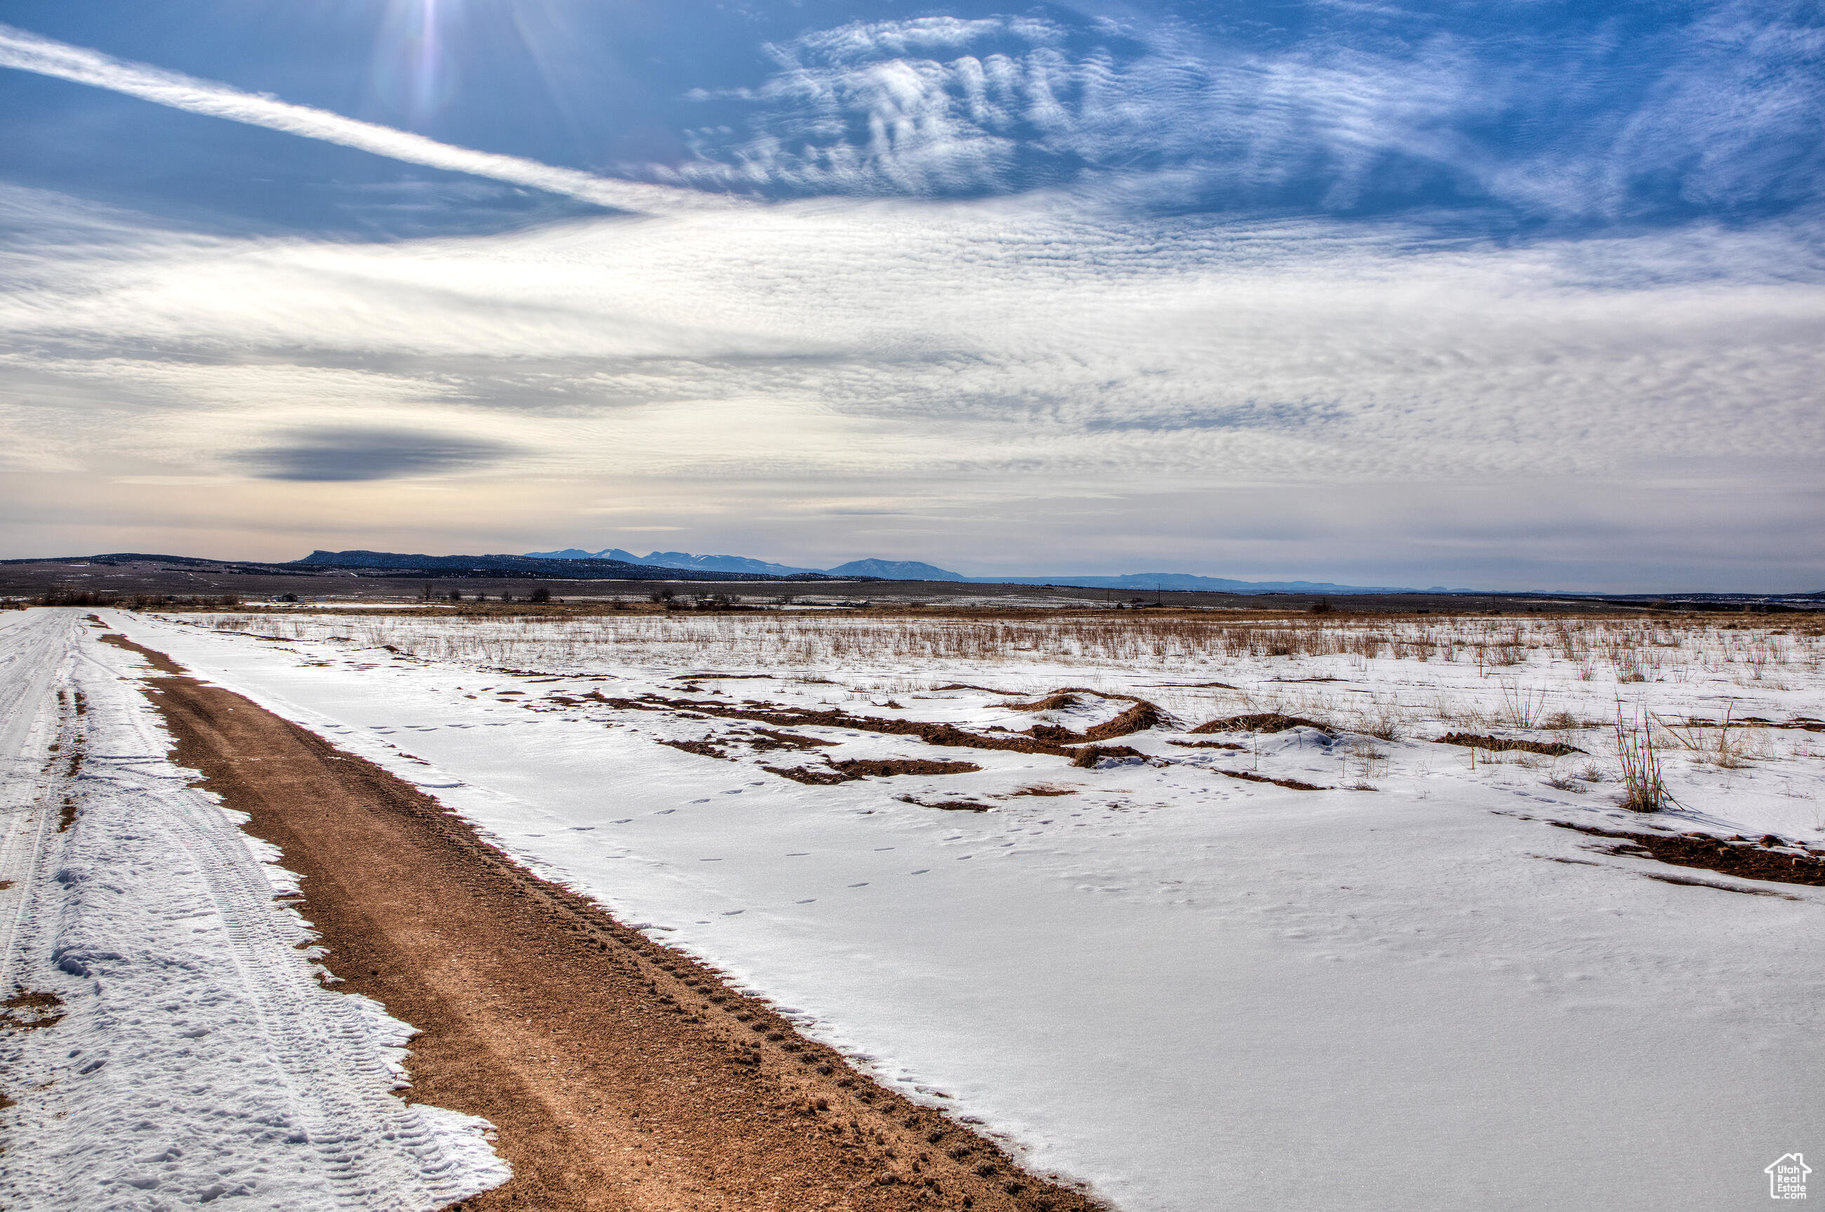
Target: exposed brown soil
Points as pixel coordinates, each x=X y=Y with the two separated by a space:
x=1058 y=700
x=867 y=768
x=1803 y=723
x=69 y=749
x=30 y=1009
x=862 y=768
x=1250 y=776
x=1261 y=721
x=1207 y=744
x=701 y=748
x=1139 y=717
x=945 y=735
x=621 y=1075
x=157 y=660
x=1040 y=789
x=947 y=805
x=1753 y=860
x=1501 y=744
x=1087 y=757
x=768 y=738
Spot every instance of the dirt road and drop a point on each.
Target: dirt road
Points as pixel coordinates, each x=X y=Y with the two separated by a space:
x=620 y=1075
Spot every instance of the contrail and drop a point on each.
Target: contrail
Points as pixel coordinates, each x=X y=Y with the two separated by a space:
x=31 y=53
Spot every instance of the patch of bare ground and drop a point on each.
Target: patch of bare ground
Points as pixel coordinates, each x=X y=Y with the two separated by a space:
x=69 y=749
x=30 y=1009
x=1250 y=776
x=946 y=805
x=1768 y=858
x=943 y=735
x=700 y=748
x=1261 y=721
x=620 y=1075
x=1087 y=757
x=768 y=738
x=1502 y=744
x=1207 y=744
x=1058 y=700
x=1802 y=723
x=1139 y=716
x=157 y=660
x=862 y=768
x=1041 y=789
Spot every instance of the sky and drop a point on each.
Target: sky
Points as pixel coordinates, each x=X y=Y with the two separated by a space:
x=1498 y=295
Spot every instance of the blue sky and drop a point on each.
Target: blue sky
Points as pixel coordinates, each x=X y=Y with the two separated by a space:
x=1499 y=295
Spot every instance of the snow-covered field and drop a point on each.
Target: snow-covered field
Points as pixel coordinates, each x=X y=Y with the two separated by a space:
x=167 y=1041
x=1190 y=988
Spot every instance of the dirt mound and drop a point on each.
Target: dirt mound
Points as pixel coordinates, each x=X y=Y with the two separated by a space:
x=1757 y=860
x=1087 y=757
x=943 y=735
x=1263 y=721
x=1058 y=700
x=1501 y=744
x=1140 y=716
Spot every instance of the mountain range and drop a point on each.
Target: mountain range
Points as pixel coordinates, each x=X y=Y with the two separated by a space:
x=914 y=570
x=890 y=570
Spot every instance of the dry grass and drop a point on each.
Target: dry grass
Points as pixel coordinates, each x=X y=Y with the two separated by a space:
x=1643 y=790
x=1632 y=650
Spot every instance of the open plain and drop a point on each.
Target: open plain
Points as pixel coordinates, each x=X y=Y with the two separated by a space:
x=1169 y=910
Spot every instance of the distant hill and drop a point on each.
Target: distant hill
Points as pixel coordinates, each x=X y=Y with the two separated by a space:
x=723 y=563
x=1140 y=582
x=680 y=559
x=585 y=567
x=896 y=570
x=914 y=570
x=893 y=570
x=374 y=573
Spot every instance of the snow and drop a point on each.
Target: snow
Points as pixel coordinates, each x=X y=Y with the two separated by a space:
x=198 y=1058
x=1185 y=989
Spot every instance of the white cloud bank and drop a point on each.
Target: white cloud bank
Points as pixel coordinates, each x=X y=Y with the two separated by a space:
x=1025 y=385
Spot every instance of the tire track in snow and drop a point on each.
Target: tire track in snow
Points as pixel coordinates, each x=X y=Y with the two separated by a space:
x=198 y=1057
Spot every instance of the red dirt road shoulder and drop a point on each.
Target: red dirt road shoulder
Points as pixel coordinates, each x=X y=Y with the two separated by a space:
x=620 y=1074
